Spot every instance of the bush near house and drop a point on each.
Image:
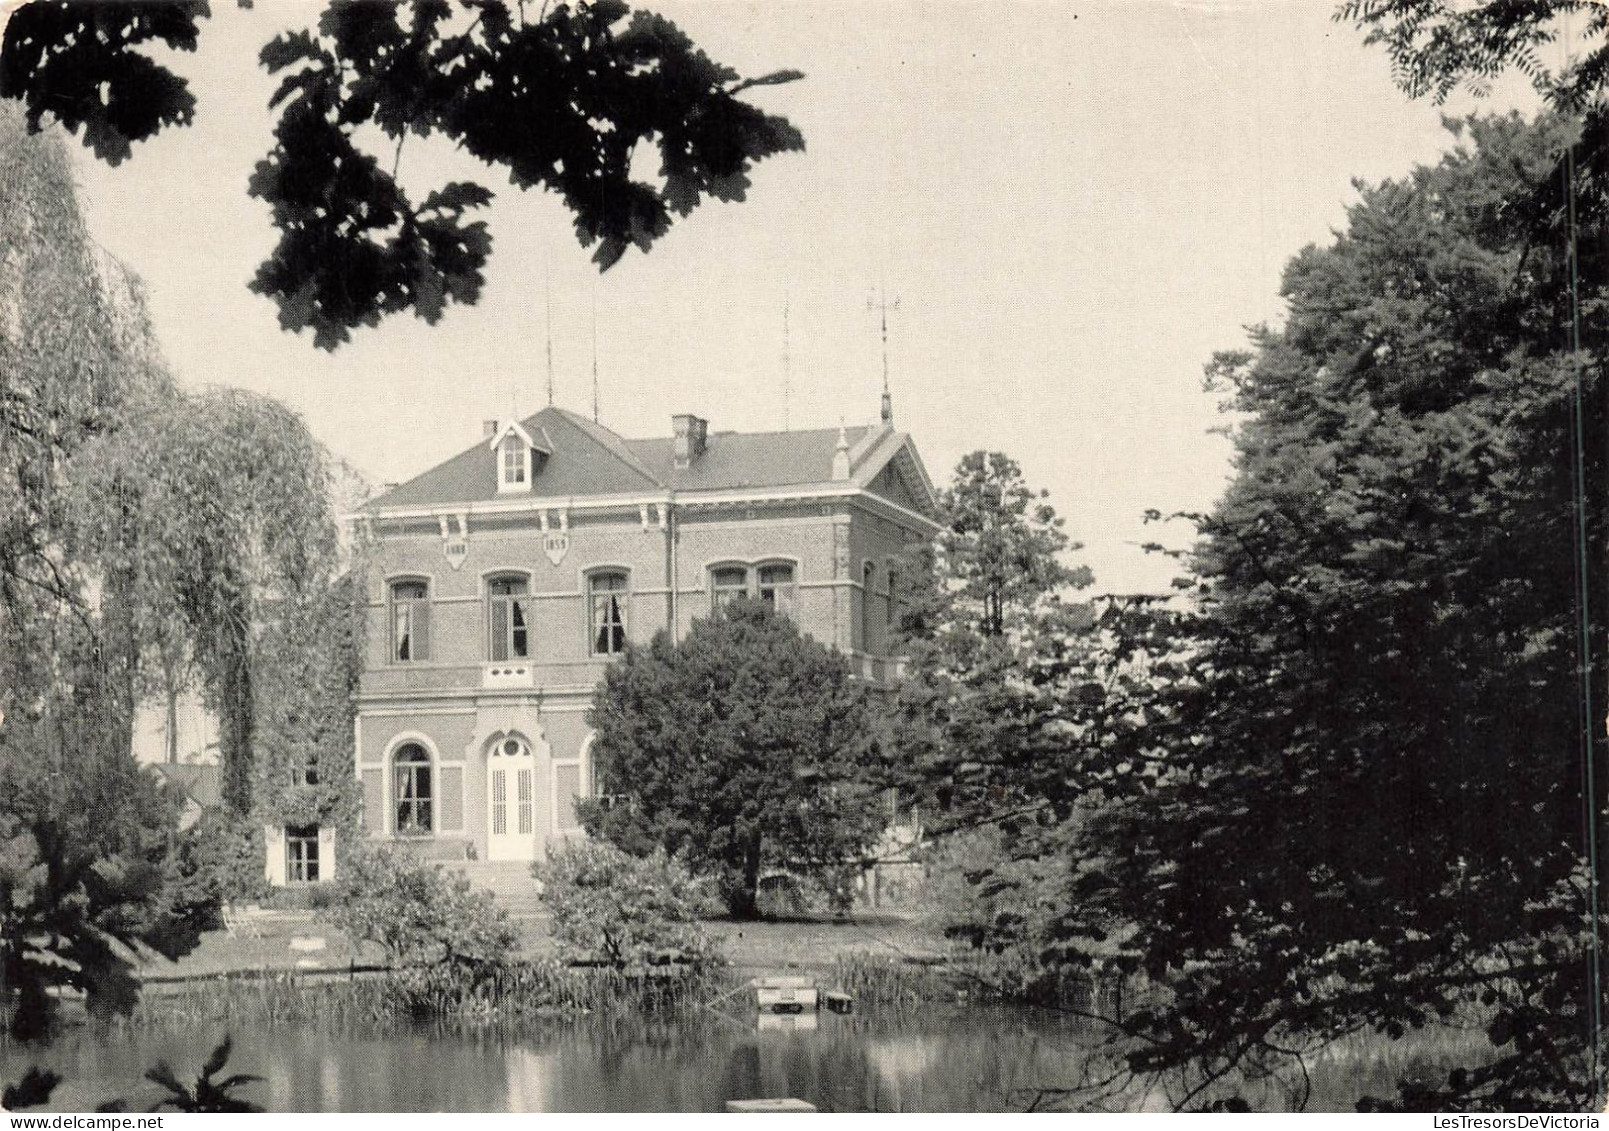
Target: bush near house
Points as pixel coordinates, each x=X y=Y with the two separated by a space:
x=221 y=858
x=625 y=910
x=417 y=913
x=744 y=748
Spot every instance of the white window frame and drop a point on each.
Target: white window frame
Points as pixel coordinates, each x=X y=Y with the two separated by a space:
x=393 y=602
x=623 y=603
x=313 y=858
x=751 y=582
x=519 y=466
x=432 y=799
x=790 y=605
x=527 y=608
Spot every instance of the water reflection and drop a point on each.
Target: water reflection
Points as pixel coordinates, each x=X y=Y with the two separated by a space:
x=942 y=1059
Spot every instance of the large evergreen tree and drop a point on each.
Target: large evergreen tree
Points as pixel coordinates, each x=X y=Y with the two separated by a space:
x=743 y=747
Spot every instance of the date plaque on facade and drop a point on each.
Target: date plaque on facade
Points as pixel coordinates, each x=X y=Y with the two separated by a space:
x=456 y=549
x=555 y=545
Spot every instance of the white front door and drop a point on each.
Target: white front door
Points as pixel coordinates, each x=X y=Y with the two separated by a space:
x=511 y=800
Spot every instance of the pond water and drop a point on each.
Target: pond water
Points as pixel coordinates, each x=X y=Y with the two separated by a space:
x=948 y=1058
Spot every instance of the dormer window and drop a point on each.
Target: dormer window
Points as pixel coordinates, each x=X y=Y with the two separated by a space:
x=518 y=456
x=514 y=456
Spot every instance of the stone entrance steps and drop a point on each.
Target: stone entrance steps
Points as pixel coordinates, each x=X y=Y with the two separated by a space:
x=509 y=881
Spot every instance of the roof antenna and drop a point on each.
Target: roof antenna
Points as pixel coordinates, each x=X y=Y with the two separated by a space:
x=547 y=295
x=883 y=306
x=787 y=361
x=594 y=353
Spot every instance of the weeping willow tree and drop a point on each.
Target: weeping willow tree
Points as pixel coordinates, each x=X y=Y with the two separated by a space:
x=148 y=535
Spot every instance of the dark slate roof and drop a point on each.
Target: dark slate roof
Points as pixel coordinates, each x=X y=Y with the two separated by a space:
x=589 y=459
x=202 y=784
x=748 y=459
x=583 y=463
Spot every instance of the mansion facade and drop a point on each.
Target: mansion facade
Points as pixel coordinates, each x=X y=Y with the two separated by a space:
x=503 y=582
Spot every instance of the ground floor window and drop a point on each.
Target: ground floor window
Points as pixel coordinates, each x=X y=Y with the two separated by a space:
x=413 y=790
x=301 y=854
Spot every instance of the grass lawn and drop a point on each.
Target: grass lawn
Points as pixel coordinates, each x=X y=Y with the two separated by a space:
x=284 y=940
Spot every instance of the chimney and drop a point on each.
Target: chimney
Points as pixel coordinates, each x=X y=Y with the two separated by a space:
x=690 y=433
x=490 y=429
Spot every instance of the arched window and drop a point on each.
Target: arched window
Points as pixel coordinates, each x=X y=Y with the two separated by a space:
x=868 y=579
x=507 y=619
x=608 y=623
x=776 y=588
x=893 y=596
x=411 y=771
x=410 y=621
x=727 y=584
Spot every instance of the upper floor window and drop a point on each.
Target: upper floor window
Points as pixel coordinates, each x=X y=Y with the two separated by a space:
x=727 y=584
x=868 y=580
x=772 y=584
x=410 y=621
x=412 y=776
x=608 y=624
x=775 y=587
x=512 y=464
x=893 y=596
x=508 y=618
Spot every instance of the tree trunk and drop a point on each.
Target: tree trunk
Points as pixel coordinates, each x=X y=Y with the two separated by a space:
x=170 y=689
x=235 y=714
x=744 y=903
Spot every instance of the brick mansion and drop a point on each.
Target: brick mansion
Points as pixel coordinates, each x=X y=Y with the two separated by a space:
x=505 y=580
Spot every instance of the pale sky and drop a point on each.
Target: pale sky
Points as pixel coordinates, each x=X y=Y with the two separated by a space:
x=1075 y=204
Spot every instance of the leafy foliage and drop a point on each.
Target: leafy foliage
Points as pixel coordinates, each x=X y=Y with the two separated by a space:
x=991 y=648
x=743 y=747
x=621 y=909
x=216 y=500
x=1434 y=45
x=998 y=559
x=309 y=656
x=1006 y=907
x=207 y=1094
x=564 y=102
x=139 y=529
x=33 y=1090
x=79 y=63
x=85 y=871
x=416 y=912
x=220 y=858
x=1362 y=806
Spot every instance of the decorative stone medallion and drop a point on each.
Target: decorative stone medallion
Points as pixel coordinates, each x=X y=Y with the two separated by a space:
x=555 y=544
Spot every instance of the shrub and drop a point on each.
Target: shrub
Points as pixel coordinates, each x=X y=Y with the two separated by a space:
x=416 y=912
x=624 y=910
x=221 y=855
x=1006 y=910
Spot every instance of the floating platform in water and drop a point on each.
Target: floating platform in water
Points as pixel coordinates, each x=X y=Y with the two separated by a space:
x=770 y=1105
x=787 y=994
